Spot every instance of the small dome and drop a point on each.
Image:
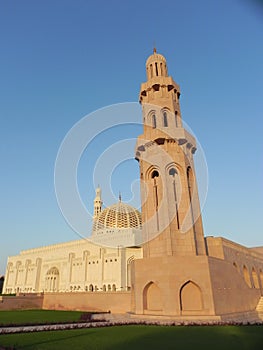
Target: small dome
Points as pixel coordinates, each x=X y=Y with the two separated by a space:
x=119 y=215
x=155 y=57
x=156 y=66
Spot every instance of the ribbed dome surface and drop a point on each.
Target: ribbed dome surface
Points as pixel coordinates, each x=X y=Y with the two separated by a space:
x=119 y=215
x=155 y=57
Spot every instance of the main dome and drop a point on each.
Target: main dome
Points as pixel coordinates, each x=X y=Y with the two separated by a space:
x=119 y=215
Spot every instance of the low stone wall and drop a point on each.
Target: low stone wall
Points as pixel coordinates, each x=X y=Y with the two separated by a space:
x=115 y=302
x=21 y=302
x=230 y=291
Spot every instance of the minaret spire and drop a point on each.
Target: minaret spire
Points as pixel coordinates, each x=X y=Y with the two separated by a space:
x=97 y=203
x=170 y=206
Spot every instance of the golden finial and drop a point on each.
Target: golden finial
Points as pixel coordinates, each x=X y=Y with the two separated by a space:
x=154 y=50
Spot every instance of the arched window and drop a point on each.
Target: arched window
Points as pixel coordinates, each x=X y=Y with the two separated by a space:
x=156 y=68
x=173 y=172
x=161 y=66
x=109 y=288
x=104 y=288
x=255 y=278
x=52 y=280
x=261 y=278
x=91 y=288
x=129 y=272
x=151 y=70
x=154 y=121
x=155 y=174
x=165 y=121
x=176 y=117
x=114 y=287
x=246 y=276
x=235 y=266
x=190 y=183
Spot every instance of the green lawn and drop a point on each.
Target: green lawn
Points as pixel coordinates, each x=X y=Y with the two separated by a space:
x=37 y=316
x=142 y=337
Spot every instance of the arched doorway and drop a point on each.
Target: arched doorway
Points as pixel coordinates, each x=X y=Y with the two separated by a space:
x=152 y=298
x=191 y=297
x=52 y=280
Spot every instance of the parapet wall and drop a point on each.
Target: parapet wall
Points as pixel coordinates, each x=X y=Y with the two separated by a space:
x=115 y=302
x=231 y=293
x=21 y=302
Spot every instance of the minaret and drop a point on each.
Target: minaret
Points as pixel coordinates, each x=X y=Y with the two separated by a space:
x=97 y=203
x=172 y=223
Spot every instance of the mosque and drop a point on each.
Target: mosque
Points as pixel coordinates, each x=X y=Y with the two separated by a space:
x=153 y=263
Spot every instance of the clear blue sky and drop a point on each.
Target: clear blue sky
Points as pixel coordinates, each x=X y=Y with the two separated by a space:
x=61 y=60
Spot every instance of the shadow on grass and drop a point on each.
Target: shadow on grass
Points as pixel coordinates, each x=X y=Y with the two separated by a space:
x=143 y=337
x=46 y=340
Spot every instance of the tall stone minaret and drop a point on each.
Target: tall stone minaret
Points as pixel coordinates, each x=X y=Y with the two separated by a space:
x=172 y=223
x=97 y=203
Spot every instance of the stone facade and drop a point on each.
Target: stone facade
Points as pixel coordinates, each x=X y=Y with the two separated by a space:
x=75 y=266
x=182 y=273
x=176 y=272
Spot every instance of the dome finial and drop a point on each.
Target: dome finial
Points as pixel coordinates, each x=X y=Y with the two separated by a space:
x=154 y=50
x=119 y=196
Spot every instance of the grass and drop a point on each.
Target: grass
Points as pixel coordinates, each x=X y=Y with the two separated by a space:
x=141 y=337
x=22 y=317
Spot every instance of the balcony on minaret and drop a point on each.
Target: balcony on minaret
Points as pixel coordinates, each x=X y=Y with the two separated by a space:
x=159 y=85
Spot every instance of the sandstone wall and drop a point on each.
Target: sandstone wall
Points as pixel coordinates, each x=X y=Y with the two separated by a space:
x=21 y=302
x=116 y=302
x=231 y=293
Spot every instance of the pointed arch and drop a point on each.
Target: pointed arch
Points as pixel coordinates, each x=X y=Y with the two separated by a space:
x=165 y=112
x=154 y=121
x=151 y=119
x=151 y=172
x=129 y=261
x=165 y=119
x=261 y=278
x=191 y=187
x=255 y=278
x=176 y=118
x=173 y=173
x=236 y=266
x=52 y=280
x=246 y=276
x=152 y=297
x=191 y=298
